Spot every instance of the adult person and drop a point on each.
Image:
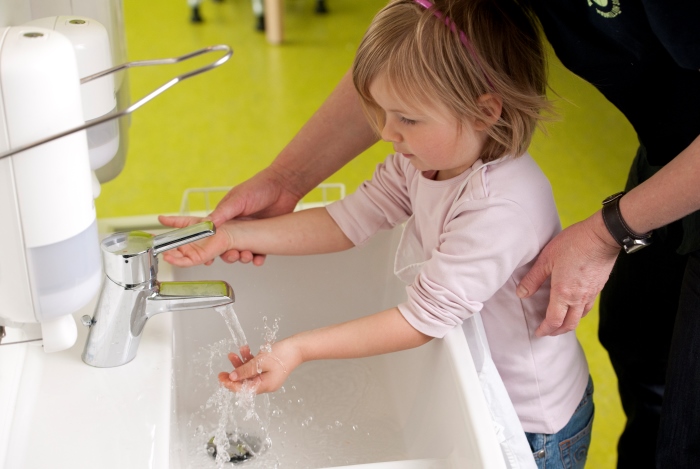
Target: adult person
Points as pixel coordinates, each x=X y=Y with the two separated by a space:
x=627 y=49
x=644 y=56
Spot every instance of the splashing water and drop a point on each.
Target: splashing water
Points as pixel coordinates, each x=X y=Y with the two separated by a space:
x=328 y=414
x=242 y=430
x=270 y=336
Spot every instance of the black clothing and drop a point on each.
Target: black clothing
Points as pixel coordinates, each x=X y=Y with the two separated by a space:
x=644 y=57
x=679 y=432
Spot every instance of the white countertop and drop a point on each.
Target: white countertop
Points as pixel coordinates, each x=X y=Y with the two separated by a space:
x=69 y=415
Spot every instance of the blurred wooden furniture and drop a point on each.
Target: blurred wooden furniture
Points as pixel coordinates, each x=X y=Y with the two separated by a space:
x=269 y=16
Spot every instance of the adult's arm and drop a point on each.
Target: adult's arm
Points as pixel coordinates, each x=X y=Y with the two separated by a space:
x=333 y=136
x=580 y=258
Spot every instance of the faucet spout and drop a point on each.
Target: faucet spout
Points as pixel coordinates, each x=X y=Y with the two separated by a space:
x=182 y=296
x=131 y=293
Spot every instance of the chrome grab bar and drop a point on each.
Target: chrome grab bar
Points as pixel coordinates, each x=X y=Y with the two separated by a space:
x=140 y=102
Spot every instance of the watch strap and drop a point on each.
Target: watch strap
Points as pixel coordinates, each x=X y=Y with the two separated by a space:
x=620 y=231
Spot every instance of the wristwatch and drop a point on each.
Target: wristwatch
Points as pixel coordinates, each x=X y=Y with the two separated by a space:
x=623 y=235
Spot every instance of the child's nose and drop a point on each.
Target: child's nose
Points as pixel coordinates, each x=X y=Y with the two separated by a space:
x=390 y=135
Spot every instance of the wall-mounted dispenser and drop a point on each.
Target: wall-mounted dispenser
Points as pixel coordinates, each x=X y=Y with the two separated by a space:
x=50 y=266
x=109 y=14
x=53 y=267
x=90 y=41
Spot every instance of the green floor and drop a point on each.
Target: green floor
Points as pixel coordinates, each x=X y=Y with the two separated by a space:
x=220 y=128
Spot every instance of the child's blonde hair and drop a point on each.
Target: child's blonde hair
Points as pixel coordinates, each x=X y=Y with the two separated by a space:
x=454 y=53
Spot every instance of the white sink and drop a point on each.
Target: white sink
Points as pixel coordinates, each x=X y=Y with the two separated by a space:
x=421 y=408
x=57 y=412
x=417 y=409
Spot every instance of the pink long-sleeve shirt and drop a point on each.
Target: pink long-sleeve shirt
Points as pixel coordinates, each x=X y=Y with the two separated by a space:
x=477 y=250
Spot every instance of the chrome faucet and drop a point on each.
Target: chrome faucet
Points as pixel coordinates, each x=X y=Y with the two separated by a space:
x=131 y=293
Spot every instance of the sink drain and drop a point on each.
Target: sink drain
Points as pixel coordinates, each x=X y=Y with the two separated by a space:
x=240 y=448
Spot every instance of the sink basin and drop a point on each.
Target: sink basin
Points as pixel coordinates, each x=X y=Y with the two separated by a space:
x=421 y=408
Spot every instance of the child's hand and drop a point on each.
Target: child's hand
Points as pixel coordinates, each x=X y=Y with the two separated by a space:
x=268 y=370
x=199 y=252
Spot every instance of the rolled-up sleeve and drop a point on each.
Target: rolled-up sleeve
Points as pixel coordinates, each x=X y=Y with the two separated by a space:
x=479 y=250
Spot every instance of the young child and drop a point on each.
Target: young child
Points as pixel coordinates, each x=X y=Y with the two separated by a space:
x=458 y=88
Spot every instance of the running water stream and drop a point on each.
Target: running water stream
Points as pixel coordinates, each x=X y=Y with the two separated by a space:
x=242 y=430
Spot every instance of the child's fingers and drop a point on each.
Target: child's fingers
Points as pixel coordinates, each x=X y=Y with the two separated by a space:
x=247 y=370
x=179 y=261
x=235 y=360
x=174 y=254
x=236 y=386
x=224 y=380
x=245 y=353
x=191 y=254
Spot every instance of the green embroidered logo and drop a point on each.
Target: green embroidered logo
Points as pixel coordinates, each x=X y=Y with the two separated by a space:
x=606 y=8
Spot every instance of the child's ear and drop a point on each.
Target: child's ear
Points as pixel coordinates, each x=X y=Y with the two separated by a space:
x=491 y=106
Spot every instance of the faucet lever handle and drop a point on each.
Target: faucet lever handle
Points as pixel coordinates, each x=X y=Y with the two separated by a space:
x=188 y=234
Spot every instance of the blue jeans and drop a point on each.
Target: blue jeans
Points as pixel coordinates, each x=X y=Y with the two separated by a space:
x=567 y=448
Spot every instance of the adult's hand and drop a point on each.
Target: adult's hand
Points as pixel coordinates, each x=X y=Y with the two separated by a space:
x=264 y=195
x=579 y=261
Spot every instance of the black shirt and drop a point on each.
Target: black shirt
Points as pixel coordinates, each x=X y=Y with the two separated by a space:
x=644 y=57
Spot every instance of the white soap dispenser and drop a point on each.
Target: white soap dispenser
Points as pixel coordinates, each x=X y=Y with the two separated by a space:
x=50 y=266
x=90 y=41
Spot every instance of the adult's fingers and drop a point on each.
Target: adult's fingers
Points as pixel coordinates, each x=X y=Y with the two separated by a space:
x=245 y=199
x=571 y=320
x=556 y=313
x=178 y=221
x=539 y=272
x=246 y=257
x=243 y=256
x=231 y=206
x=580 y=261
x=587 y=309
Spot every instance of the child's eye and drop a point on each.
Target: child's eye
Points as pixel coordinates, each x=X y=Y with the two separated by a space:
x=407 y=121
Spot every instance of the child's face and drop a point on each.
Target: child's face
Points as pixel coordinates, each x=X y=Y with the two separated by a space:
x=430 y=137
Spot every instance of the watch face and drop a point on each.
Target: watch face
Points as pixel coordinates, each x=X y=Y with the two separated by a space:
x=633 y=245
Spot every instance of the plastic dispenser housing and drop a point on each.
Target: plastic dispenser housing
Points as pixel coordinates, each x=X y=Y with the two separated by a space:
x=110 y=15
x=92 y=52
x=51 y=264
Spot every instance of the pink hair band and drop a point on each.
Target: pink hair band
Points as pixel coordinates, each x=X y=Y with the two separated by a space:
x=462 y=37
